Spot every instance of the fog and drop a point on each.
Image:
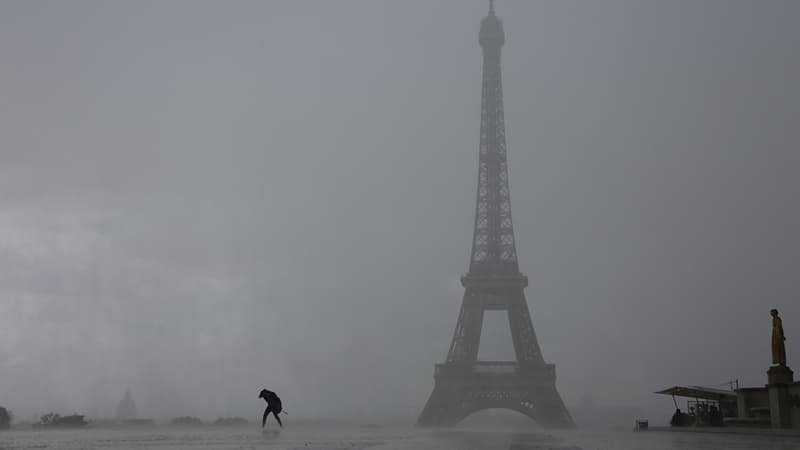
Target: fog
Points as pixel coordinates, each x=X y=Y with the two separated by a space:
x=199 y=199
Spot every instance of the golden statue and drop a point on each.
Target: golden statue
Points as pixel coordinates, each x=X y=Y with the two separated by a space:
x=778 y=347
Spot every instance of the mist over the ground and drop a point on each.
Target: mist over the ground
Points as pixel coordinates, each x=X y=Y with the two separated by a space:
x=199 y=199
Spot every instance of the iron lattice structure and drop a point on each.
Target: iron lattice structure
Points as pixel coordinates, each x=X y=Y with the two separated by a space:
x=463 y=384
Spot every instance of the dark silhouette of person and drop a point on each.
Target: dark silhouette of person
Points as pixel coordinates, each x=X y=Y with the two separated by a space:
x=677 y=418
x=274 y=406
x=715 y=417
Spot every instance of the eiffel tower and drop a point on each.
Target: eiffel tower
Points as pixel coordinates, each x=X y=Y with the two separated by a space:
x=463 y=384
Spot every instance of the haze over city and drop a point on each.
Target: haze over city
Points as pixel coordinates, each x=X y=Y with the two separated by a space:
x=198 y=198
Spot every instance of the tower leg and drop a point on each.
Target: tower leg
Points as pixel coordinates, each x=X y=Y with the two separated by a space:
x=438 y=409
x=547 y=408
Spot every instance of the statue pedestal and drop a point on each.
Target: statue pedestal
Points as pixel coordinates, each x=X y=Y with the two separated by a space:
x=780 y=404
x=779 y=375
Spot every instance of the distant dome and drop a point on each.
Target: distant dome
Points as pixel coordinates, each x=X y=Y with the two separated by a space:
x=126 y=408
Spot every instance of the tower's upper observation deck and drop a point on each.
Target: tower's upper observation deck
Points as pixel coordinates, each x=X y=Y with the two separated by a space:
x=491 y=34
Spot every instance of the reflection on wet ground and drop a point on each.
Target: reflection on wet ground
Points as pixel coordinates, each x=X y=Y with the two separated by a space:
x=665 y=440
x=533 y=441
x=384 y=439
x=616 y=440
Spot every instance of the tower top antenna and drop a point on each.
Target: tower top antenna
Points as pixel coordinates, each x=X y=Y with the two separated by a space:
x=491 y=6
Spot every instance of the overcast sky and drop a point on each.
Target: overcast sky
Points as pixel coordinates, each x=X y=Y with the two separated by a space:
x=200 y=199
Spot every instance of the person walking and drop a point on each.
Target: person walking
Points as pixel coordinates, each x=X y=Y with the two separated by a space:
x=274 y=406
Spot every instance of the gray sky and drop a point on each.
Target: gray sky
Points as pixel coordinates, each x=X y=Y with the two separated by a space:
x=200 y=198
